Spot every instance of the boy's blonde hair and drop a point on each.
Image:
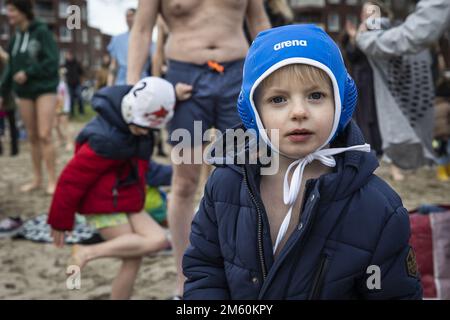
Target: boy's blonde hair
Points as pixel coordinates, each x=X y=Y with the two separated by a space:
x=302 y=73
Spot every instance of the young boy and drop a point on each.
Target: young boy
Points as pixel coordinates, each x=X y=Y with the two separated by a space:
x=105 y=180
x=324 y=223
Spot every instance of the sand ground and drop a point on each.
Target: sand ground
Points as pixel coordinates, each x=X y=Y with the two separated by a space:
x=37 y=271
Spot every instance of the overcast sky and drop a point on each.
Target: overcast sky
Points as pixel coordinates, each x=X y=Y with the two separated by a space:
x=109 y=15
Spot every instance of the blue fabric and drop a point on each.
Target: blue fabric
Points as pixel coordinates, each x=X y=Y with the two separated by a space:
x=351 y=219
x=158 y=174
x=277 y=45
x=213 y=100
x=118 y=49
x=108 y=134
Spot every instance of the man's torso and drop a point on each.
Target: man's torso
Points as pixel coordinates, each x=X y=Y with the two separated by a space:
x=202 y=30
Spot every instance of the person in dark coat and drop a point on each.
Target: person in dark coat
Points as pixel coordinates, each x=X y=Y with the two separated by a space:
x=322 y=226
x=74 y=73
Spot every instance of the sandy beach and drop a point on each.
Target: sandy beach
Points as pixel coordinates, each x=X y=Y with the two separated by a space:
x=37 y=271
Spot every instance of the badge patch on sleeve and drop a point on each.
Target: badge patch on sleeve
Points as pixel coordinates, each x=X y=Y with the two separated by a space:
x=411 y=264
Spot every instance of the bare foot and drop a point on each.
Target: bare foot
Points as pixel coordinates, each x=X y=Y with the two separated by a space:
x=30 y=186
x=50 y=189
x=78 y=257
x=397 y=174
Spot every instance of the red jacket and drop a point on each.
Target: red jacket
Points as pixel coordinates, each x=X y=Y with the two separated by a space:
x=91 y=184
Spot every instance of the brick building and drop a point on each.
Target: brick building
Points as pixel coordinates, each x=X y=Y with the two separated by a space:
x=88 y=44
x=329 y=14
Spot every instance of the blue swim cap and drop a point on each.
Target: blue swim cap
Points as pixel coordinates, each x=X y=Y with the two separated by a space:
x=296 y=44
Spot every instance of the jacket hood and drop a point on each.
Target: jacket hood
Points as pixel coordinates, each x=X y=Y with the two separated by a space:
x=107 y=103
x=353 y=168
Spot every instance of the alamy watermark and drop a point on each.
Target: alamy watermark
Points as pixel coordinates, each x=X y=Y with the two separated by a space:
x=234 y=147
x=73 y=20
x=373 y=22
x=73 y=281
x=374 y=280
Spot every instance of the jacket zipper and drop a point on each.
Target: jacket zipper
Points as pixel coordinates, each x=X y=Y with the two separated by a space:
x=259 y=230
x=318 y=281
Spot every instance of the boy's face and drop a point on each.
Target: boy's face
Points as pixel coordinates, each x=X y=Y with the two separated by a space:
x=303 y=113
x=138 y=131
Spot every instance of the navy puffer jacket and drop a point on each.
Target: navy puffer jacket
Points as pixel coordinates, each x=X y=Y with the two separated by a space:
x=351 y=220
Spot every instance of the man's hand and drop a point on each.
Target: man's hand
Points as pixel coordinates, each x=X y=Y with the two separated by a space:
x=58 y=238
x=183 y=91
x=20 y=77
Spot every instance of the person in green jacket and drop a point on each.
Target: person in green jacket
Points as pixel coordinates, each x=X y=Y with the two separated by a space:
x=32 y=74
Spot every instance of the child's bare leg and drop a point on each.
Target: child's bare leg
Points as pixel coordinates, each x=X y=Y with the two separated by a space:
x=147 y=237
x=122 y=286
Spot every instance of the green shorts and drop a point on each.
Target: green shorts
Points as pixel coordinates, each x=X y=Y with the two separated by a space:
x=99 y=221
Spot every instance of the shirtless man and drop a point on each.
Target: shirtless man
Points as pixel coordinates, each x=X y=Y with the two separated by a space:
x=200 y=31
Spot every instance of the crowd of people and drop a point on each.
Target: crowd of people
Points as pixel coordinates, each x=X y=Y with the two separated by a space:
x=323 y=216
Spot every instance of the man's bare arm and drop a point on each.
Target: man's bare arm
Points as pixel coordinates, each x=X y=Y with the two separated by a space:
x=140 y=38
x=158 y=57
x=257 y=19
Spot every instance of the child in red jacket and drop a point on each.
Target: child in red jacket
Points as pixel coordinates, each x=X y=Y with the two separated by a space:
x=105 y=180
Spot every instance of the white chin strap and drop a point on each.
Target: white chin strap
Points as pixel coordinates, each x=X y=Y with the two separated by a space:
x=291 y=191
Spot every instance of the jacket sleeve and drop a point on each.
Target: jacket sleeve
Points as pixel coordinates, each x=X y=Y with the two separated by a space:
x=421 y=28
x=398 y=277
x=203 y=262
x=48 y=58
x=76 y=178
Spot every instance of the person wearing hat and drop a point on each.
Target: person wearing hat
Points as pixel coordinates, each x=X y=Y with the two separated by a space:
x=322 y=226
x=106 y=178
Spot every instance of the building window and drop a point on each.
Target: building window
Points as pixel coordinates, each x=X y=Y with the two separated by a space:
x=3 y=7
x=62 y=55
x=65 y=35
x=4 y=35
x=83 y=13
x=300 y=3
x=353 y=19
x=97 y=43
x=44 y=10
x=84 y=36
x=63 y=6
x=86 y=59
x=333 y=22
